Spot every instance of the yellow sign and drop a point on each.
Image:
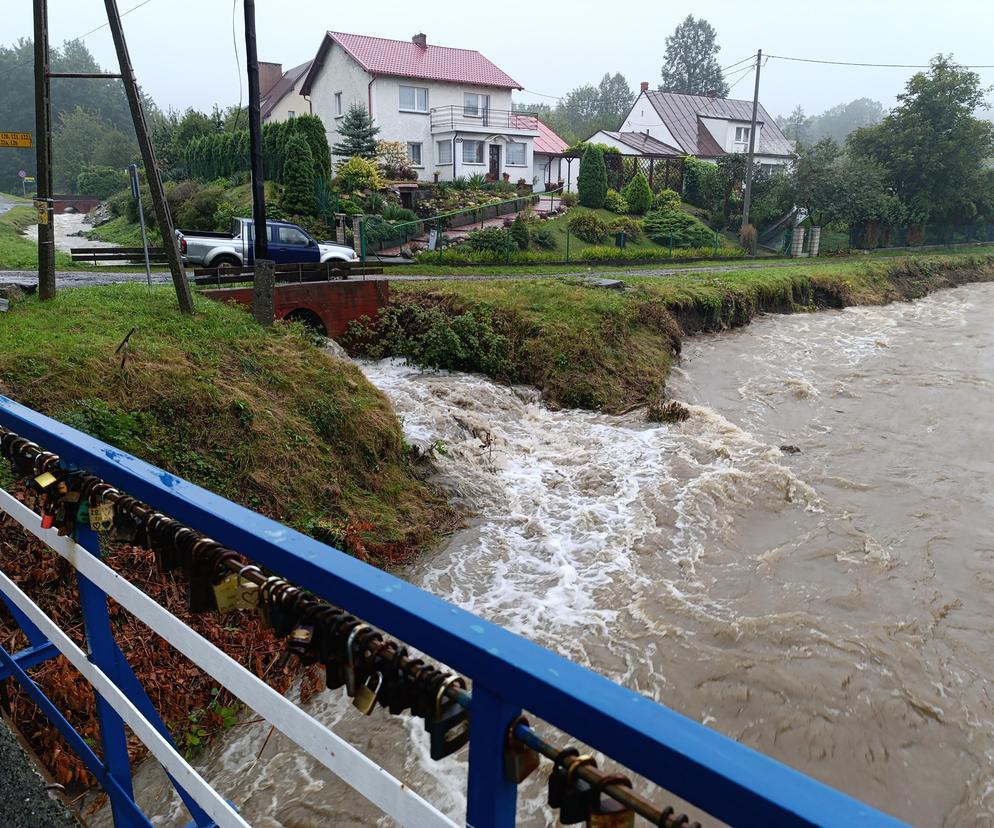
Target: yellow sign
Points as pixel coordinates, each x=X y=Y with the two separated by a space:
x=42 y=208
x=17 y=140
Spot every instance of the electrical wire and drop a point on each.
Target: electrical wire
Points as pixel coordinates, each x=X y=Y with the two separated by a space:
x=238 y=65
x=875 y=65
x=731 y=65
x=739 y=79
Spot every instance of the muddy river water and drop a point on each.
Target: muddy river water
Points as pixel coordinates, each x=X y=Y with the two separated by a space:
x=832 y=607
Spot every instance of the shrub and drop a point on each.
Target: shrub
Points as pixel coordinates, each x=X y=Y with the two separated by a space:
x=569 y=198
x=675 y=227
x=394 y=212
x=543 y=237
x=101 y=182
x=460 y=183
x=632 y=228
x=393 y=160
x=519 y=232
x=359 y=174
x=489 y=239
x=615 y=202
x=118 y=204
x=349 y=207
x=200 y=211
x=747 y=238
x=476 y=181
x=374 y=203
x=299 y=174
x=666 y=200
x=588 y=227
x=638 y=195
x=592 y=184
x=701 y=183
x=178 y=193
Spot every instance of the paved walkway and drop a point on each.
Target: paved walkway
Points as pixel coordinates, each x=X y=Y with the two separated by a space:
x=24 y=802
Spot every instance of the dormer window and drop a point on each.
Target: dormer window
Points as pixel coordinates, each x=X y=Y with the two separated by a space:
x=742 y=139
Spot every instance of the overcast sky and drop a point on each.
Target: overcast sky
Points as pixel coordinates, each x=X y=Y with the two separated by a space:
x=184 y=55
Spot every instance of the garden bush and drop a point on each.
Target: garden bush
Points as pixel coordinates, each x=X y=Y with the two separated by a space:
x=200 y=211
x=519 y=232
x=592 y=183
x=569 y=198
x=489 y=239
x=543 y=237
x=178 y=193
x=632 y=228
x=101 y=182
x=394 y=212
x=359 y=174
x=675 y=227
x=666 y=200
x=615 y=202
x=588 y=227
x=638 y=195
x=393 y=161
x=299 y=174
x=701 y=183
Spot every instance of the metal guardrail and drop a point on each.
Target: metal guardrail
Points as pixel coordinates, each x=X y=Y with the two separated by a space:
x=508 y=673
x=461 y=117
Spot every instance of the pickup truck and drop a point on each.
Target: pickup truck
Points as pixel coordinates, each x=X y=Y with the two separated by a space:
x=288 y=244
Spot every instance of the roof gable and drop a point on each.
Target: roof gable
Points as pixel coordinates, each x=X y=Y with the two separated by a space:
x=405 y=59
x=283 y=87
x=682 y=116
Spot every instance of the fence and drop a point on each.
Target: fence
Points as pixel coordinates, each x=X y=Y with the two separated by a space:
x=662 y=172
x=878 y=236
x=82 y=487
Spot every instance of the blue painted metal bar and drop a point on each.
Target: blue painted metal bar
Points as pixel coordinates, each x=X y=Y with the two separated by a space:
x=93 y=763
x=491 y=799
x=107 y=655
x=728 y=780
x=31 y=657
x=35 y=636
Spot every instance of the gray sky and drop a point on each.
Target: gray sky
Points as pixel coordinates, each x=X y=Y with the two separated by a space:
x=184 y=56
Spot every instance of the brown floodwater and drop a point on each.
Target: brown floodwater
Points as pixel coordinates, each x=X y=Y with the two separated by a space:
x=832 y=607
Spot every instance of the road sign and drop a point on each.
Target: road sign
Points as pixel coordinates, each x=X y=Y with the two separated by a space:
x=16 y=140
x=29 y=179
x=22 y=173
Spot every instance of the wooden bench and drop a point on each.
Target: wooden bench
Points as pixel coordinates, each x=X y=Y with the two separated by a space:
x=117 y=254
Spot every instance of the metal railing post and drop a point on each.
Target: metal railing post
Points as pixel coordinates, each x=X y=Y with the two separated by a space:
x=438 y=240
x=567 y=244
x=491 y=798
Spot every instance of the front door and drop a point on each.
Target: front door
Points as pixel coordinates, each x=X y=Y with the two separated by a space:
x=495 y=162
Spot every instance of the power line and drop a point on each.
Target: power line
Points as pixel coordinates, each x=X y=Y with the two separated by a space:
x=876 y=65
x=543 y=95
x=730 y=65
x=238 y=66
x=748 y=71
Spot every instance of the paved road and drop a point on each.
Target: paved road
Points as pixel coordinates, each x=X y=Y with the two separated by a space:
x=24 y=802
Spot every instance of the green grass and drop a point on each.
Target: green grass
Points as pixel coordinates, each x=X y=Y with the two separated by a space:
x=123 y=233
x=261 y=416
x=16 y=251
x=589 y=347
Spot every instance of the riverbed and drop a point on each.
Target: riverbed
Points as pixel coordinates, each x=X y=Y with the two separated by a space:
x=829 y=603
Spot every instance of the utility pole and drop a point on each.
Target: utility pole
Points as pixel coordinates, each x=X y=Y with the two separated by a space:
x=263 y=281
x=747 y=197
x=43 y=146
x=164 y=220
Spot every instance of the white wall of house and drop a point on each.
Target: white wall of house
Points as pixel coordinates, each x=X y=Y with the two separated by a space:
x=291 y=106
x=602 y=137
x=644 y=118
x=342 y=76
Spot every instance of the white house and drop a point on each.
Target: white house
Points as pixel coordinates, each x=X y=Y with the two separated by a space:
x=451 y=107
x=281 y=98
x=669 y=123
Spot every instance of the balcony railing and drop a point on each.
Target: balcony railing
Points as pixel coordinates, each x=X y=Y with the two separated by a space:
x=474 y=117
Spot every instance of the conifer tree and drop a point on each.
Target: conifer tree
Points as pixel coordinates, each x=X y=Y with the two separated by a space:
x=299 y=198
x=357 y=133
x=592 y=183
x=638 y=195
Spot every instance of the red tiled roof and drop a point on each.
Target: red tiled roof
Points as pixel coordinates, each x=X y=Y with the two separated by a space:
x=548 y=142
x=403 y=58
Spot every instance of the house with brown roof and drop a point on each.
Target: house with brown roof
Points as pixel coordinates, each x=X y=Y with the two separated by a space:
x=673 y=124
x=451 y=107
x=281 y=98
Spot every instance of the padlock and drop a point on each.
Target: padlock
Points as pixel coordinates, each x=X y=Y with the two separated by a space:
x=351 y=678
x=44 y=480
x=366 y=696
x=608 y=812
x=102 y=516
x=578 y=797
x=557 y=778
x=449 y=727
x=520 y=761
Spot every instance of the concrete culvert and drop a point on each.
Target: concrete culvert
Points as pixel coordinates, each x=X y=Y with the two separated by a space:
x=308 y=318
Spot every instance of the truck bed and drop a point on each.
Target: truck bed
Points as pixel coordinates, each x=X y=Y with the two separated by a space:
x=207 y=235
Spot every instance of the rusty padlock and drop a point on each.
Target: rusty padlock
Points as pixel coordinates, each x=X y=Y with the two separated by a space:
x=608 y=812
x=578 y=797
x=520 y=761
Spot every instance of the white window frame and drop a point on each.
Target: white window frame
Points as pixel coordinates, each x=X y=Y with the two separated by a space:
x=439 y=146
x=477 y=109
x=416 y=90
x=419 y=163
x=338 y=105
x=467 y=142
x=741 y=138
x=524 y=154
x=291 y=113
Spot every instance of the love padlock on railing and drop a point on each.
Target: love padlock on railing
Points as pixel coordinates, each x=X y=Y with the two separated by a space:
x=607 y=812
x=520 y=761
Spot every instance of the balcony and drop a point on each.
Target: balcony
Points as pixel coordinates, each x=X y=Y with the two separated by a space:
x=446 y=118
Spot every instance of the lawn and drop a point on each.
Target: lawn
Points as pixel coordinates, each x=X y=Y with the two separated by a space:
x=16 y=251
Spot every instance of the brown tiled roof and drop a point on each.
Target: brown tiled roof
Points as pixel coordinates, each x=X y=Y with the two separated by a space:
x=283 y=87
x=403 y=58
x=682 y=114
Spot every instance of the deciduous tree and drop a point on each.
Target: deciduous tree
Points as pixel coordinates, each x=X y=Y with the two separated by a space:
x=691 y=64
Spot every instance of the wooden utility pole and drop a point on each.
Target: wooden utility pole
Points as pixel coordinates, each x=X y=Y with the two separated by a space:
x=263 y=281
x=43 y=147
x=158 y=194
x=747 y=197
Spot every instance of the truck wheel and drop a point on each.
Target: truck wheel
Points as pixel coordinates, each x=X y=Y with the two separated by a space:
x=225 y=260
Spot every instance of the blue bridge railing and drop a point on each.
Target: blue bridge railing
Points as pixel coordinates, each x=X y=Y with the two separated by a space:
x=509 y=675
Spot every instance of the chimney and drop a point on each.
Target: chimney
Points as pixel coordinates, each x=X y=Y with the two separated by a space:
x=420 y=40
x=712 y=94
x=269 y=76
x=645 y=86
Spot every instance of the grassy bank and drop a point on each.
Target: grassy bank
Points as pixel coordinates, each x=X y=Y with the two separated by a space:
x=265 y=418
x=16 y=251
x=589 y=347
